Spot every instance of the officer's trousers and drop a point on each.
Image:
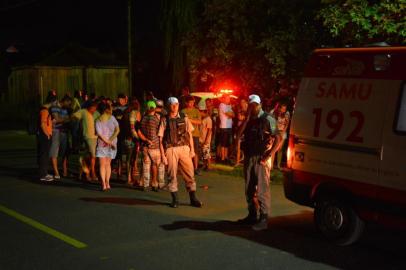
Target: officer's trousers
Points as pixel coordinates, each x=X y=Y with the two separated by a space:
x=257 y=185
x=179 y=156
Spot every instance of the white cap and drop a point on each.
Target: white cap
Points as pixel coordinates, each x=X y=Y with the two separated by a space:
x=172 y=100
x=254 y=98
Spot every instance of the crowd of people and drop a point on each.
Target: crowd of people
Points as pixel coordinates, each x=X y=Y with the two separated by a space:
x=148 y=142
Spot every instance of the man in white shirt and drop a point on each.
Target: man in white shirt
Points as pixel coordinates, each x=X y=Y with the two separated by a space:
x=226 y=115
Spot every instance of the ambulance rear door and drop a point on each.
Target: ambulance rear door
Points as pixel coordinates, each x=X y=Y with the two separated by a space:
x=392 y=194
x=338 y=122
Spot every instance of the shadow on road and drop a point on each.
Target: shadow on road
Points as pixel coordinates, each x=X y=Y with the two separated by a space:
x=296 y=235
x=122 y=201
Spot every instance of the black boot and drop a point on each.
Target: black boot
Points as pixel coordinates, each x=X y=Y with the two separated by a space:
x=193 y=200
x=175 y=200
x=250 y=219
x=262 y=223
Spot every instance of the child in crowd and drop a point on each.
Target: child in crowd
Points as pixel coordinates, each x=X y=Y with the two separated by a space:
x=205 y=135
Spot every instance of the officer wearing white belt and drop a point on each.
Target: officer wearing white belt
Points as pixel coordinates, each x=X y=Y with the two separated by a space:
x=176 y=144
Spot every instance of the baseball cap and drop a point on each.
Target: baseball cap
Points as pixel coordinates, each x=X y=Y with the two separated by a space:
x=172 y=100
x=254 y=98
x=151 y=104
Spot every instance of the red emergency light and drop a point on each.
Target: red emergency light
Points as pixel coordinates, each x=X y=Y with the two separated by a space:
x=226 y=91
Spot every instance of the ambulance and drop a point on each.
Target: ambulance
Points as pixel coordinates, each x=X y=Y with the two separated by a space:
x=347 y=145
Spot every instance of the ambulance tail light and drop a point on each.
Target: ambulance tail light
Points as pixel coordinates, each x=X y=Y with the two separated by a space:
x=291 y=151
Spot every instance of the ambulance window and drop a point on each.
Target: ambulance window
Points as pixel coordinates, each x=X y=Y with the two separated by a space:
x=382 y=62
x=401 y=119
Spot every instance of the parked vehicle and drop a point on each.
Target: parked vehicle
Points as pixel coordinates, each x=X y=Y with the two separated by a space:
x=347 y=145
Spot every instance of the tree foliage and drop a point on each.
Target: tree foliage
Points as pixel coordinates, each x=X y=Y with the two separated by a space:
x=177 y=19
x=252 y=42
x=358 y=22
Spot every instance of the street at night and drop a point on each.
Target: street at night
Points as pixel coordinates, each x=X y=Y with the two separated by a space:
x=202 y=134
x=130 y=229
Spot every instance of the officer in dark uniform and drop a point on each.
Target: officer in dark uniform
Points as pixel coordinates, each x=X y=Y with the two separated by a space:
x=177 y=150
x=260 y=137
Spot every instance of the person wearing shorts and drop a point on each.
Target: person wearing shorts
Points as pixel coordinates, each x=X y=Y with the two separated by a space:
x=59 y=141
x=205 y=138
x=86 y=116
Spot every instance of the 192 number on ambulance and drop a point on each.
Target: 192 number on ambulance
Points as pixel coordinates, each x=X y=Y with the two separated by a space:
x=335 y=121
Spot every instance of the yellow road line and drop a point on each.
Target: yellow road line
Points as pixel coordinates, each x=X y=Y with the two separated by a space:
x=43 y=228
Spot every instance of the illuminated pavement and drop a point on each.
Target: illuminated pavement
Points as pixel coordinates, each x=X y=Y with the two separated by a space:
x=70 y=225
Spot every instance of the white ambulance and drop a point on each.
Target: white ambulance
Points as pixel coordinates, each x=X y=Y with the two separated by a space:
x=347 y=144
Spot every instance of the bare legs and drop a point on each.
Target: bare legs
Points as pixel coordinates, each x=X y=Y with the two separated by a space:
x=224 y=153
x=206 y=164
x=196 y=161
x=108 y=172
x=102 y=170
x=54 y=161
x=154 y=174
x=105 y=172
x=55 y=165
x=132 y=167
x=65 y=166
x=92 y=167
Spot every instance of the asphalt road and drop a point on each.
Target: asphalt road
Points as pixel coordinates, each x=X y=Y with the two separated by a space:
x=72 y=225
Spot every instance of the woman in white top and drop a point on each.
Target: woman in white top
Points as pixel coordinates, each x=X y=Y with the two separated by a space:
x=107 y=130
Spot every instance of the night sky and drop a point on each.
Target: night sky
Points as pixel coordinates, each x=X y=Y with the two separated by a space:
x=42 y=26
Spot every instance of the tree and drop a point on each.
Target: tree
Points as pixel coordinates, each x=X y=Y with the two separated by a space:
x=253 y=41
x=358 y=22
x=177 y=19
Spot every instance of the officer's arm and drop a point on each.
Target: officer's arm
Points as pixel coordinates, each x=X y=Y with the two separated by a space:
x=273 y=149
x=273 y=138
x=192 y=146
x=189 y=129
x=161 y=145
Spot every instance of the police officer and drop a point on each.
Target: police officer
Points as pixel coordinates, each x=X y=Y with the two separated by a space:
x=176 y=144
x=259 y=139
